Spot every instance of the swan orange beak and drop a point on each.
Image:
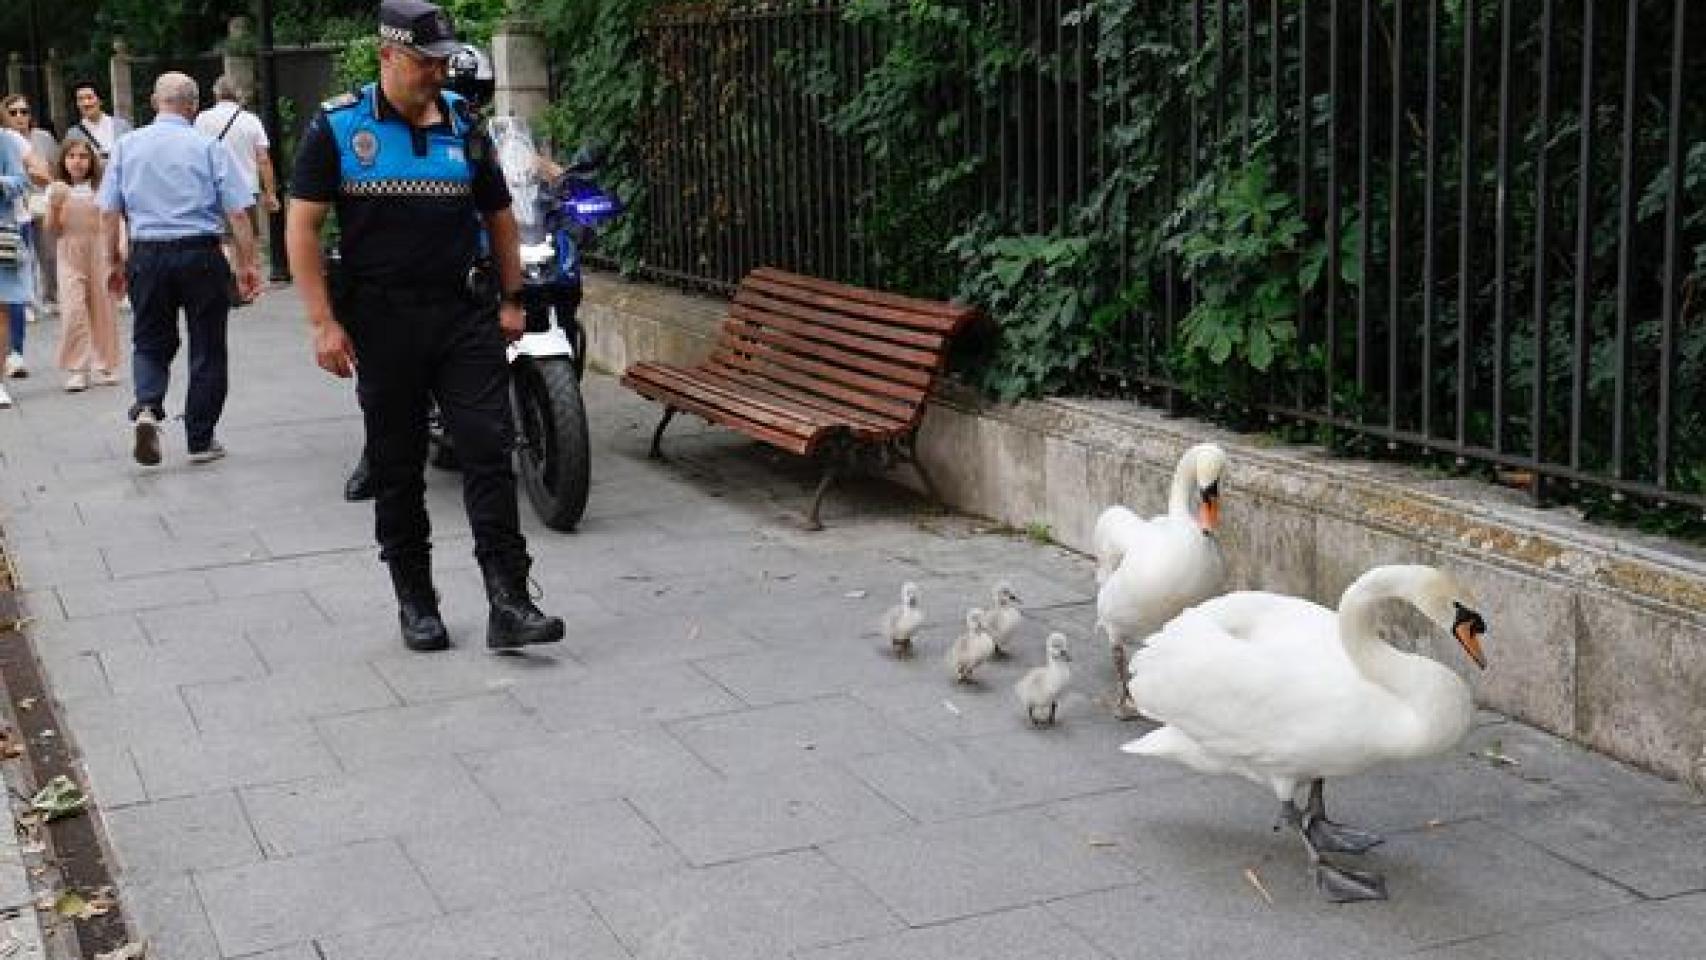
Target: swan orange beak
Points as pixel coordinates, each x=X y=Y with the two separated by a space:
x=1208 y=515
x=1468 y=629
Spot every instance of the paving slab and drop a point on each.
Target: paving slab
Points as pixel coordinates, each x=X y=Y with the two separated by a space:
x=391 y=801
x=937 y=872
x=749 y=816
x=280 y=902
x=573 y=847
x=760 y=909
x=722 y=760
x=557 y=926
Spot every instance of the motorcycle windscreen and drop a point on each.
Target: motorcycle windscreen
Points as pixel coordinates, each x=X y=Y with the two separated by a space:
x=520 y=163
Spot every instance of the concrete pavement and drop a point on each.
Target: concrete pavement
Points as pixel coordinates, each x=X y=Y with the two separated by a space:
x=721 y=761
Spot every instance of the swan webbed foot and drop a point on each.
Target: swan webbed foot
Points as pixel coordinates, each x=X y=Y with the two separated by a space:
x=1051 y=711
x=1345 y=885
x=1328 y=835
x=1338 y=838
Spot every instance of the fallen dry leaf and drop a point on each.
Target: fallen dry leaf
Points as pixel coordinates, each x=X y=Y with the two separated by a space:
x=1256 y=881
x=1103 y=842
x=130 y=951
x=949 y=705
x=1435 y=824
x=60 y=797
x=10 y=748
x=856 y=594
x=1499 y=759
x=28 y=703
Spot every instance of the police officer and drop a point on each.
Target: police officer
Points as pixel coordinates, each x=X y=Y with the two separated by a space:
x=470 y=76
x=413 y=180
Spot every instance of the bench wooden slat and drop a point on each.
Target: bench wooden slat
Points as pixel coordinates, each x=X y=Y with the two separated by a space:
x=706 y=386
x=875 y=425
x=793 y=443
x=882 y=312
x=733 y=390
x=751 y=301
x=829 y=374
x=746 y=332
x=762 y=362
x=957 y=313
x=831 y=332
x=830 y=397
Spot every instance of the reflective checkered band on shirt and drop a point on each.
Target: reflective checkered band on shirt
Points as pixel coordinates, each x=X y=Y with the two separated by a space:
x=407 y=188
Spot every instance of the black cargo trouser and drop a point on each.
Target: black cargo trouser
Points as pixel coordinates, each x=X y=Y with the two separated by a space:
x=412 y=345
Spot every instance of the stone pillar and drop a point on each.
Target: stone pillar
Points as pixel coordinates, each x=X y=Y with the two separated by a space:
x=53 y=86
x=239 y=58
x=518 y=59
x=15 y=73
x=123 y=98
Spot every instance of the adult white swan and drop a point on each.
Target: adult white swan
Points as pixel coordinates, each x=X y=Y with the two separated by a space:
x=1149 y=570
x=1287 y=693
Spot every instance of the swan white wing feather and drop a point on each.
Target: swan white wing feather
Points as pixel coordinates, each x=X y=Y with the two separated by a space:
x=1115 y=528
x=1277 y=700
x=1169 y=565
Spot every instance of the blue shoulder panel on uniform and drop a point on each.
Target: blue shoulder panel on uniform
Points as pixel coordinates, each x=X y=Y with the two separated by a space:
x=377 y=157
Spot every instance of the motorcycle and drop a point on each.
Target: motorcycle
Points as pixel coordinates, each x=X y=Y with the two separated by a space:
x=558 y=213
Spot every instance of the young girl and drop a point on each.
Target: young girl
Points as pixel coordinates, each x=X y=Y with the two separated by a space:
x=88 y=332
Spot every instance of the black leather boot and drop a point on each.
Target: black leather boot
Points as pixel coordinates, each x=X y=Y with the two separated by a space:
x=359 y=486
x=515 y=621
x=417 y=606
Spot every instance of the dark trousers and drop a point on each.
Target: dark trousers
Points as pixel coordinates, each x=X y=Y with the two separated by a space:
x=165 y=278
x=409 y=349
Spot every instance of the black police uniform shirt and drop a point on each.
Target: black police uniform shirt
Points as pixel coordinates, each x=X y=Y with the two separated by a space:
x=407 y=197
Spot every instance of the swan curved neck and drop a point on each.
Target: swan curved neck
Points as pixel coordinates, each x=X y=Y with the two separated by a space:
x=1179 y=499
x=1358 y=622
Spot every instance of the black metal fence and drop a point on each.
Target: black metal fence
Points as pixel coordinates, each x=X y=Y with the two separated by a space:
x=1511 y=196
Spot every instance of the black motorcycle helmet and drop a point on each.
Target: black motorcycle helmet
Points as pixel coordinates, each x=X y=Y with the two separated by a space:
x=470 y=74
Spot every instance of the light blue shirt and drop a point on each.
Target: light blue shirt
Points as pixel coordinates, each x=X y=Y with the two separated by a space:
x=171 y=182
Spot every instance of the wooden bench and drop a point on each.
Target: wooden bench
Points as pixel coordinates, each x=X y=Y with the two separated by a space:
x=817 y=368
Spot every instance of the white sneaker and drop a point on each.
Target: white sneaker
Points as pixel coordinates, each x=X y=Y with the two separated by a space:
x=15 y=366
x=5 y=399
x=105 y=378
x=77 y=382
x=214 y=451
x=146 y=431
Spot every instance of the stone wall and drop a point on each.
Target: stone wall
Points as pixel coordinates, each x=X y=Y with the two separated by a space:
x=1597 y=635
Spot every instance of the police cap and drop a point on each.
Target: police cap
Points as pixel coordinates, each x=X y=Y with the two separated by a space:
x=419 y=25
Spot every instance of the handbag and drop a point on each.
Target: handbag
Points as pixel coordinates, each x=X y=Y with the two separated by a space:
x=11 y=245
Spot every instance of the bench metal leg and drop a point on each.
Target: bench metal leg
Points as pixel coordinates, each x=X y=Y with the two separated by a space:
x=657 y=435
x=829 y=472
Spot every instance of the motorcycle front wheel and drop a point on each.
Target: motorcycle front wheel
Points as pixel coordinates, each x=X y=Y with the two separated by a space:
x=551 y=455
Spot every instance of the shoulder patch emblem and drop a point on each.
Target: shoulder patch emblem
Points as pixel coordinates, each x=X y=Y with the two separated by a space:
x=340 y=101
x=365 y=146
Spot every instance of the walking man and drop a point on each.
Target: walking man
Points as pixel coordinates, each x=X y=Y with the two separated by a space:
x=172 y=187
x=413 y=180
x=242 y=131
x=93 y=124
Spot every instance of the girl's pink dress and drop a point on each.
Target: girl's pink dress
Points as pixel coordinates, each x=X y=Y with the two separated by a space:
x=88 y=333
